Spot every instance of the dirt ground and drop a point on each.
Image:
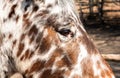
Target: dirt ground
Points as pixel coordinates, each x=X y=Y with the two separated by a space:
x=107 y=39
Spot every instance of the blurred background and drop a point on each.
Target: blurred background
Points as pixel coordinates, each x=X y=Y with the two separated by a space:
x=101 y=19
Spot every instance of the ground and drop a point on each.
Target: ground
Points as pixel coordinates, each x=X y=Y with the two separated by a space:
x=106 y=37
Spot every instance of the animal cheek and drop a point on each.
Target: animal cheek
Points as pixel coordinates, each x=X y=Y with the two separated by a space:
x=48 y=40
x=45 y=45
x=72 y=50
x=51 y=36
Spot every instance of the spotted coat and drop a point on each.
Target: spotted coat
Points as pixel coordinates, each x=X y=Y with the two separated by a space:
x=46 y=39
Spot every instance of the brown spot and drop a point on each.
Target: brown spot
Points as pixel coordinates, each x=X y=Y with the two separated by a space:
x=22 y=37
x=98 y=64
x=38 y=15
x=48 y=40
x=60 y=63
x=87 y=68
x=50 y=62
x=49 y=5
x=103 y=72
x=17 y=18
x=26 y=23
x=45 y=11
x=106 y=71
x=32 y=39
x=12 y=11
x=48 y=74
x=67 y=73
x=37 y=66
x=14 y=42
x=33 y=30
x=28 y=54
x=65 y=61
x=1 y=39
x=20 y=49
x=56 y=2
x=51 y=21
x=39 y=37
x=30 y=76
x=42 y=13
x=4 y=20
x=35 y=8
x=57 y=53
x=22 y=58
x=10 y=0
x=72 y=52
x=72 y=56
x=45 y=45
x=25 y=15
x=10 y=35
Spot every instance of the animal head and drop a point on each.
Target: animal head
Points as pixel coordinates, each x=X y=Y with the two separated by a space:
x=46 y=39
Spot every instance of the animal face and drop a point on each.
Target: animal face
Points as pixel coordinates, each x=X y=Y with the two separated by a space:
x=45 y=39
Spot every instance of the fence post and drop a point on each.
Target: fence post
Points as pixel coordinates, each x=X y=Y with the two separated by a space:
x=91 y=6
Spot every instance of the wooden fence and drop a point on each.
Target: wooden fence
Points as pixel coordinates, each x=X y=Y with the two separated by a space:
x=104 y=10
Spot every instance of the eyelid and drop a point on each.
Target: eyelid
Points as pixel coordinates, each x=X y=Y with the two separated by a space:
x=67 y=26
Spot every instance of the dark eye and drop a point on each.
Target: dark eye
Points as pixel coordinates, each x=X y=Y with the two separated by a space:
x=64 y=31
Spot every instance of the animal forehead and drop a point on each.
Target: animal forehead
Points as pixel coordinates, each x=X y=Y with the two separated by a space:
x=61 y=8
x=54 y=12
x=61 y=12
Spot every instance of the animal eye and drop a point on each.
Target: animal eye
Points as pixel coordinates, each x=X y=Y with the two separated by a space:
x=64 y=32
